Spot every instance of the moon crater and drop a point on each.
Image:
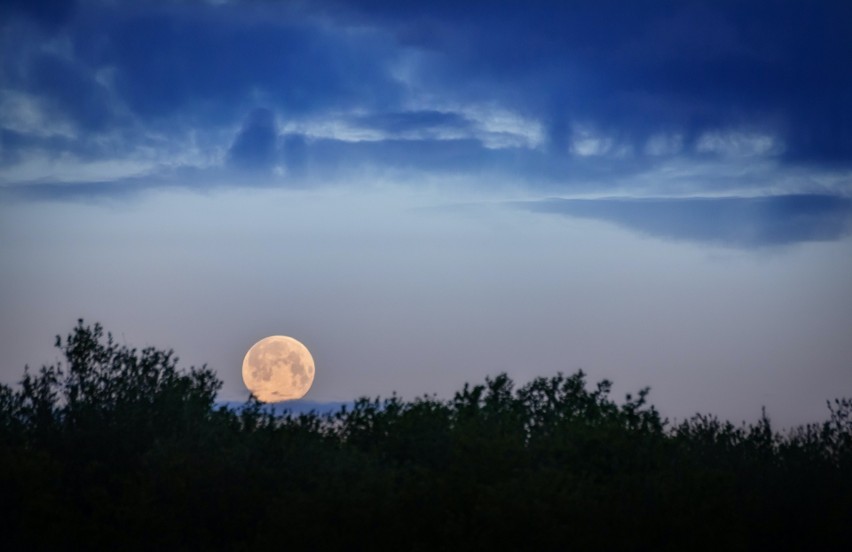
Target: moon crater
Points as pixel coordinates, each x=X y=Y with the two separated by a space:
x=278 y=368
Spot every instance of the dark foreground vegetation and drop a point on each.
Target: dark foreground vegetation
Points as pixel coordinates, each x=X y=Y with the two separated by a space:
x=118 y=448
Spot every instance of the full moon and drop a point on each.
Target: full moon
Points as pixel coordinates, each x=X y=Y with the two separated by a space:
x=278 y=368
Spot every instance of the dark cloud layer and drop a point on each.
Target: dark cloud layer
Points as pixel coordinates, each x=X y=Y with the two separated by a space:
x=174 y=60
x=634 y=68
x=731 y=221
x=49 y=14
x=425 y=86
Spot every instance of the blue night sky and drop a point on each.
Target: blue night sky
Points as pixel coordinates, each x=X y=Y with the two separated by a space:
x=657 y=192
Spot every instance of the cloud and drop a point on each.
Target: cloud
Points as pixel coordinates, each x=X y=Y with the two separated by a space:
x=643 y=68
x=178 y=59
x=255 y=147
x=582 y=91
x=744 y=222
x=402 y=122
x=71 y=91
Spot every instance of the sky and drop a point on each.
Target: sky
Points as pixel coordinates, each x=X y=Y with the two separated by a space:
x=656 y=192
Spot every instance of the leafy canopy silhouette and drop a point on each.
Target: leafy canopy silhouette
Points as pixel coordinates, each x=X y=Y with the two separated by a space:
x=120 y=447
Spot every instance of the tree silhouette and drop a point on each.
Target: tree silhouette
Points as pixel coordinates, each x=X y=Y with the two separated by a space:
x=120 y=447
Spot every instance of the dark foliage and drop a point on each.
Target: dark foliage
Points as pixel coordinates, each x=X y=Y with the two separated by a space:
x=118 y=448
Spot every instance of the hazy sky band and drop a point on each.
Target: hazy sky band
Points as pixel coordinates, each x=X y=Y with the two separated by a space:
x=731 y=221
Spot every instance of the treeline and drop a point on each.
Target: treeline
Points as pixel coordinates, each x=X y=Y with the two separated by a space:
x=119 y=448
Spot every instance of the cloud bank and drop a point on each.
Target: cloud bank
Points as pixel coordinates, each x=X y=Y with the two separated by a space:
x=650 y=98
